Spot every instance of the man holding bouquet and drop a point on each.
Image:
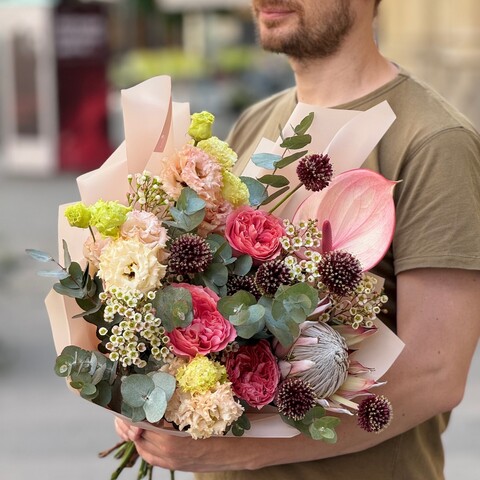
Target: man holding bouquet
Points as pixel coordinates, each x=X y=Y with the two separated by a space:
x=431 y=271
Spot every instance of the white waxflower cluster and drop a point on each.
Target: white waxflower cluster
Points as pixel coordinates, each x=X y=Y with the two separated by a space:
x=138 y=331
x=302 y=238
x=362 y=307
x=147 y=193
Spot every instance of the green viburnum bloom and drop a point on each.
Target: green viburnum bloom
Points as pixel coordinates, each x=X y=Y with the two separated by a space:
x=201 y=126
x=234 y=190
x=78 y=215
x=108 y=217
x=200 y=375
x=219 y=150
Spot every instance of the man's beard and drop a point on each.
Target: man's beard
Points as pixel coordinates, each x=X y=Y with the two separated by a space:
x=314 y=37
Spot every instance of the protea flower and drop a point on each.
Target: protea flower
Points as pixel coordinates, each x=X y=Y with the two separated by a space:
x=319 y=357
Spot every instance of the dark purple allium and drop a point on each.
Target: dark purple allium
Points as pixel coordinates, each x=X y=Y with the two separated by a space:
x=189 y=254
x=295 y=398
x=270 y=275
x=247 y=283
x=340 y=272
x=315 y=171
x=374 y=414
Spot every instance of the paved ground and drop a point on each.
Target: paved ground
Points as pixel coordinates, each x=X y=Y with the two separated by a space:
x=47 y=433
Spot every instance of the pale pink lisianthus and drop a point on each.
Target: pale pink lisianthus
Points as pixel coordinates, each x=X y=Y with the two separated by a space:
x=92 y=249
x=254 y=373
x=255 y=233
x=194 y=168
x=209 y=330
x=216 y=215
x=146 y=227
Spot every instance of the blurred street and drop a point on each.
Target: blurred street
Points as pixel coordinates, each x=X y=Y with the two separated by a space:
x=47 y=433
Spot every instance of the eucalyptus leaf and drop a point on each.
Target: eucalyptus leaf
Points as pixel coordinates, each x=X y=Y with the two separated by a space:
x=234 y=303
x=265 y=160
x=243 y=265
x=174 y=304
x=76 y=272
x=67 y=260
x=136 y=414
x=257 y=191
x=275 y=195
x=184 y=221
x=135 y=389
x=58 y=274
x=104 y=394
x=68 y=292
x=189 y=202
x=166 y=382
x=296 y=142
x=39 y=255
x=304 y=125
x=290 y=159
x=155 y=405
x=216 y=273
x=88 y=391
x=275 y=181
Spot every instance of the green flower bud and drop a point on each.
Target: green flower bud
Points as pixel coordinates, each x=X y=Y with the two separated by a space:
x=78 y=215
x=201 y=126
x=108 y=217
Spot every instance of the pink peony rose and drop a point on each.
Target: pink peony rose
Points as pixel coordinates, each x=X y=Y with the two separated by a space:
x=254 y=373
x=209 y=330
x=254 y=232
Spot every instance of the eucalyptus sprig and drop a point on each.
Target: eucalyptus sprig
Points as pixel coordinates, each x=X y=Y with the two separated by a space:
x=298 y=141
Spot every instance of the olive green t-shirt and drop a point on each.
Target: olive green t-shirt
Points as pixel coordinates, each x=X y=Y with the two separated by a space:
x=435 y=152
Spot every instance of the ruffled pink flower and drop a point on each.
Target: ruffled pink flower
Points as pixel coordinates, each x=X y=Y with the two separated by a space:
x=255 y=233
x=216 y=215
x=194 y=168
x=209 y=330
x=254 y=373
x=145 y=227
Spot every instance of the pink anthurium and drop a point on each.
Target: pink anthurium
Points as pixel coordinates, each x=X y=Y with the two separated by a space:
x=357 y=214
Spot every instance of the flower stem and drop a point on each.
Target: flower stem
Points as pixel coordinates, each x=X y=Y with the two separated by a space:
x=172 y=474
x=285 y=198
x=129 y=451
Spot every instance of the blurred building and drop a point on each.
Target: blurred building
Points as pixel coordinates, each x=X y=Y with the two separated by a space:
x=64 y=62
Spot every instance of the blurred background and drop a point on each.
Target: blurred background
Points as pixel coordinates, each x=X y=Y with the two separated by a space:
x=62 y=66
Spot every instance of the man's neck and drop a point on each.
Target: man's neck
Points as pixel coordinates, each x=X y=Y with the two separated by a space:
x=356 y=70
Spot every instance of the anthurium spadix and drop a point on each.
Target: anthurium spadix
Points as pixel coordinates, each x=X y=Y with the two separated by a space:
x=358 y=205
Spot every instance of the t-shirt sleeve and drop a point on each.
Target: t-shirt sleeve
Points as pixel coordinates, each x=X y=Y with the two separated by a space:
x=438 y=204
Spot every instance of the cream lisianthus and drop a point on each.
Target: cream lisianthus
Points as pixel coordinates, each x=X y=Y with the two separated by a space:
x=132 y=265
x=204 y=414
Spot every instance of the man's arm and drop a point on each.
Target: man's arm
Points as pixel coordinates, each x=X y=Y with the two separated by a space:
x=439 y=321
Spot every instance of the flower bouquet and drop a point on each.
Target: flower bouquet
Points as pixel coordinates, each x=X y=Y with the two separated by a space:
x=186 y=302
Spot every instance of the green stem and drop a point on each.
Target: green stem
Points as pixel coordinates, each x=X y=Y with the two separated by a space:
x=172 y=474
x=285 y=198
x=92 y=234
x=129 y=451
